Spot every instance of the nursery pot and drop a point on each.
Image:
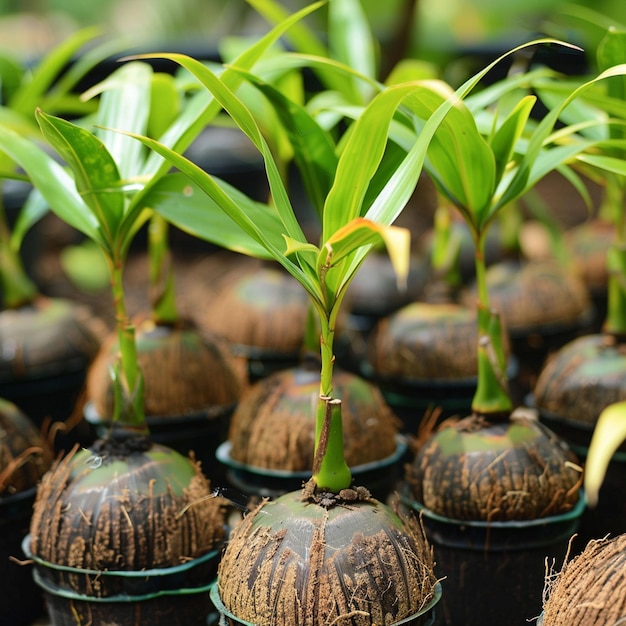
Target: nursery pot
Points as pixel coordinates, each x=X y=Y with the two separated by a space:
x=20 y=601
x=497 y=496
x=171 y=596
x=380 y=476
x=494 y=571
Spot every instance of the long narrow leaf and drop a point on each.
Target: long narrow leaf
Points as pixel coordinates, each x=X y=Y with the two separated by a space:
x=246 y=122
x=95 y=171
x=180 y=136
x=361 y=157
x=352 y=43
x=314 y=153
x=124 y=104
x=29 y=96
x=185 y=205
x=54 y=183
x=230 y=206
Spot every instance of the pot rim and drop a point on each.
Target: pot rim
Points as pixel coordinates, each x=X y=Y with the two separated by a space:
x=223 y=455
x=207 y=413
x=572 y=514
x=12 y=498
x=145 y=573
x=217 y=602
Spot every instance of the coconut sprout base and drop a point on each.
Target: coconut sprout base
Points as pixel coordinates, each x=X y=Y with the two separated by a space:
x=291 y=561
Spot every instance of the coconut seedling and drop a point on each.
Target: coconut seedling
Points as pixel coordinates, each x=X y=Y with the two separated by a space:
x=46 y=343
x=125 y=505
x=323 y=540
x=587 y=374
x=497 y=465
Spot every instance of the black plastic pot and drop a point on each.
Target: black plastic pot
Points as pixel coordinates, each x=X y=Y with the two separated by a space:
x=426 y=617
x=494 y=571
x=378 y=476
x=173 y=596
x=21 y=602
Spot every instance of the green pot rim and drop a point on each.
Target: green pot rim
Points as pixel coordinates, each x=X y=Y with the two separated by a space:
x=145 y=573
x=572 y=514
x=217 y=602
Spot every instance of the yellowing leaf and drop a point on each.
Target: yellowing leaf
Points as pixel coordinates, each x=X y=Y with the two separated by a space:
x=609 y=433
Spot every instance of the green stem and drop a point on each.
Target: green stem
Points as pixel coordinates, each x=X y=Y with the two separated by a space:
x=162 y=292
x=17 y=288
x=129 y=414
x=492 y=397
x=615 y=322
x=330 y=471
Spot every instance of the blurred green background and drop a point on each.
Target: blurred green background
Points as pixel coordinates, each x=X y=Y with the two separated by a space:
x=439 y=28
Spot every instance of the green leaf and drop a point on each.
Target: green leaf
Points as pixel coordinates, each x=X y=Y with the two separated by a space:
x=95 y=171
x=246 y=122
x=361 y=157
x=265 y=238
x=352 y=43
x=185 y=205
x=505 y=139
x=608 y=434
x=603 y=162
x=31 y=212
x=314 y=152
x=54 y=183
x=204 y=107
x=125 y=105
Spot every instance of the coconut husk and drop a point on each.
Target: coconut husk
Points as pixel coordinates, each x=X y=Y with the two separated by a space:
x=590 y=589
x=185 y=370
x=425 y=341
x=583 y=378
x=24 y=455
x=291 y=562
x=537 y=293
x=474 y=469
x=108 y=509
x=273 y=426
x=48 y=338
x=261 y=307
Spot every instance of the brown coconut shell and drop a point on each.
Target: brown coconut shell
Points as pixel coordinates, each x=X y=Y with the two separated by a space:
x=127 y=509
x=185 y=370
x=583 y=378
x=262 y=308
x=424 y=341
x=273 y=426
x=24 y=455
x=51 y=337
x=588 y=244
x=534 y=294
x=293 y=562
x=590 y=590
x=474 y=469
